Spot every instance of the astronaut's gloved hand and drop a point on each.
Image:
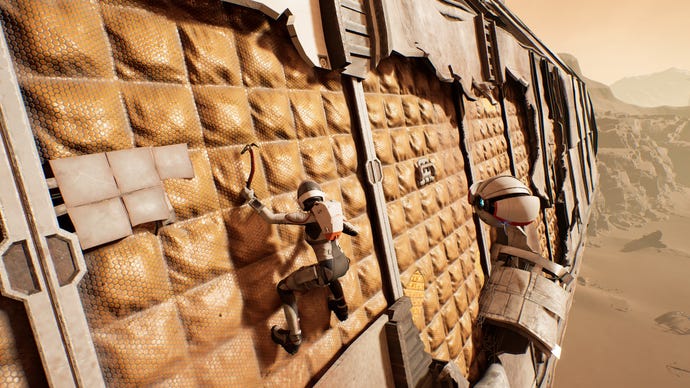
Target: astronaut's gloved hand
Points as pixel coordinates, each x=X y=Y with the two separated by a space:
x=250 y=197
x=350 y=229
x=247 y=194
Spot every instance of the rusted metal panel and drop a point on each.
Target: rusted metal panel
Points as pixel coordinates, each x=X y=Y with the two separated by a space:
x=407 y=30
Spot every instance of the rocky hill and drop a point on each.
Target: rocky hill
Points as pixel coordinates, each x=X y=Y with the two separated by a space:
x=669 y=87
x=642 y=159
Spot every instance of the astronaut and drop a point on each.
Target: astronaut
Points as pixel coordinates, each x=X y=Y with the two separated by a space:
x=505 y=203
x=323 y=222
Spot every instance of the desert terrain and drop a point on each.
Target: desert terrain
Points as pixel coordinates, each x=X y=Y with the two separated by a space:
x=629 y=325
x=613 y=338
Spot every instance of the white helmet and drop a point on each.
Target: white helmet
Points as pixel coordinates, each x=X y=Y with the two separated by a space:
x=309 y=190
x=504 y=200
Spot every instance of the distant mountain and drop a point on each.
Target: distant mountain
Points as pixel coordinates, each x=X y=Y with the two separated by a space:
x=604 y=100
x=670 y=87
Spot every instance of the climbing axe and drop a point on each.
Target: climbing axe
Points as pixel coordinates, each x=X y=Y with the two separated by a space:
x=249 y=148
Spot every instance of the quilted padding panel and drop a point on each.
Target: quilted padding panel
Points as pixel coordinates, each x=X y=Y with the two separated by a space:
x=413 y=116
x=192 y=303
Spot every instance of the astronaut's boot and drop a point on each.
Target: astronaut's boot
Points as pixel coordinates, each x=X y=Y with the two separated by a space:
x=289 y=342
x=339 y=307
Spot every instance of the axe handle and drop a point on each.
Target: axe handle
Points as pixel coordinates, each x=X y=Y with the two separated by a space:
x=251 y=170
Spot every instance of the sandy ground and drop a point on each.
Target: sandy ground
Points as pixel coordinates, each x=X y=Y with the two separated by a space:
x=612 y=339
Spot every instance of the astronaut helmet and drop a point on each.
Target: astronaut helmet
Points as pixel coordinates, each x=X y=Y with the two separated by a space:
x=504 y=200
x=308 y=193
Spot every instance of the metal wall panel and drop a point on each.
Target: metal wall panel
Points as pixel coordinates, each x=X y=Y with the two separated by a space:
x=412 y=115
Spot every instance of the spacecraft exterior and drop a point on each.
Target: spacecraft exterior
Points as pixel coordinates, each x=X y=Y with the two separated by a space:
x=158 y=274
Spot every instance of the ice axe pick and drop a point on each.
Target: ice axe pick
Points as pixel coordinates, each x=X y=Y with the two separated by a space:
x=249 y=148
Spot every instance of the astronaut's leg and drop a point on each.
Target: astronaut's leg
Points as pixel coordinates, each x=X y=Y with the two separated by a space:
x=300 y=280
x=332 y=271
x=337 y=304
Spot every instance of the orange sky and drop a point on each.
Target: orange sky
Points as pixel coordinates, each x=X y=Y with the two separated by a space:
x=612 y=39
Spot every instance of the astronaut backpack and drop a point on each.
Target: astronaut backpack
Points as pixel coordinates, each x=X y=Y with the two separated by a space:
x=329 y=216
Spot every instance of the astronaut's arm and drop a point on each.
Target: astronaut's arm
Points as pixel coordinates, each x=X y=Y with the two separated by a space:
x=268 y=215
x=264 y=212
x=350 y=229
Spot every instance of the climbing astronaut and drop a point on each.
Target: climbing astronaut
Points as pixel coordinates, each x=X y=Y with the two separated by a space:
x=505 y=203
x=323 y=222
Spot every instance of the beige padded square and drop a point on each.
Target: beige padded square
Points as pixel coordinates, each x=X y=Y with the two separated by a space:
x=369 y=276
x=396 y=217
x=388 y=78
x=391 y=189
x=133 y=169
x=441 y=353
x=84 y=179
x=362 y=244
x=403 y=252
x=173 y=161
x=375 y=305
x=147 y=205
x=382 y=144
x=418 y=141
x=454 y=340
x=431 y=303
x=100 y=222
x=437 y=332
x=230 y=171
x=250 y=238
x=432 y=140
x=406 y=177
x=413 y=209
x=354 y=200
x=400 y=141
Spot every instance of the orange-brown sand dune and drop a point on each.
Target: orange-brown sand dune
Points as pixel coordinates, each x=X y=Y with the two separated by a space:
x=618 y=334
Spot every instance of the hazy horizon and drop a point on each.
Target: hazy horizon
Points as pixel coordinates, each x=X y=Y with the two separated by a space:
x=612 y=40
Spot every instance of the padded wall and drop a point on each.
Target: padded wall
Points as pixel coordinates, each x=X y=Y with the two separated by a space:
x=192 y=303
x=412 y=116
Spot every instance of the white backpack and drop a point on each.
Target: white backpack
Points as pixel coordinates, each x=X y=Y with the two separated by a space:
x=329 y=216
